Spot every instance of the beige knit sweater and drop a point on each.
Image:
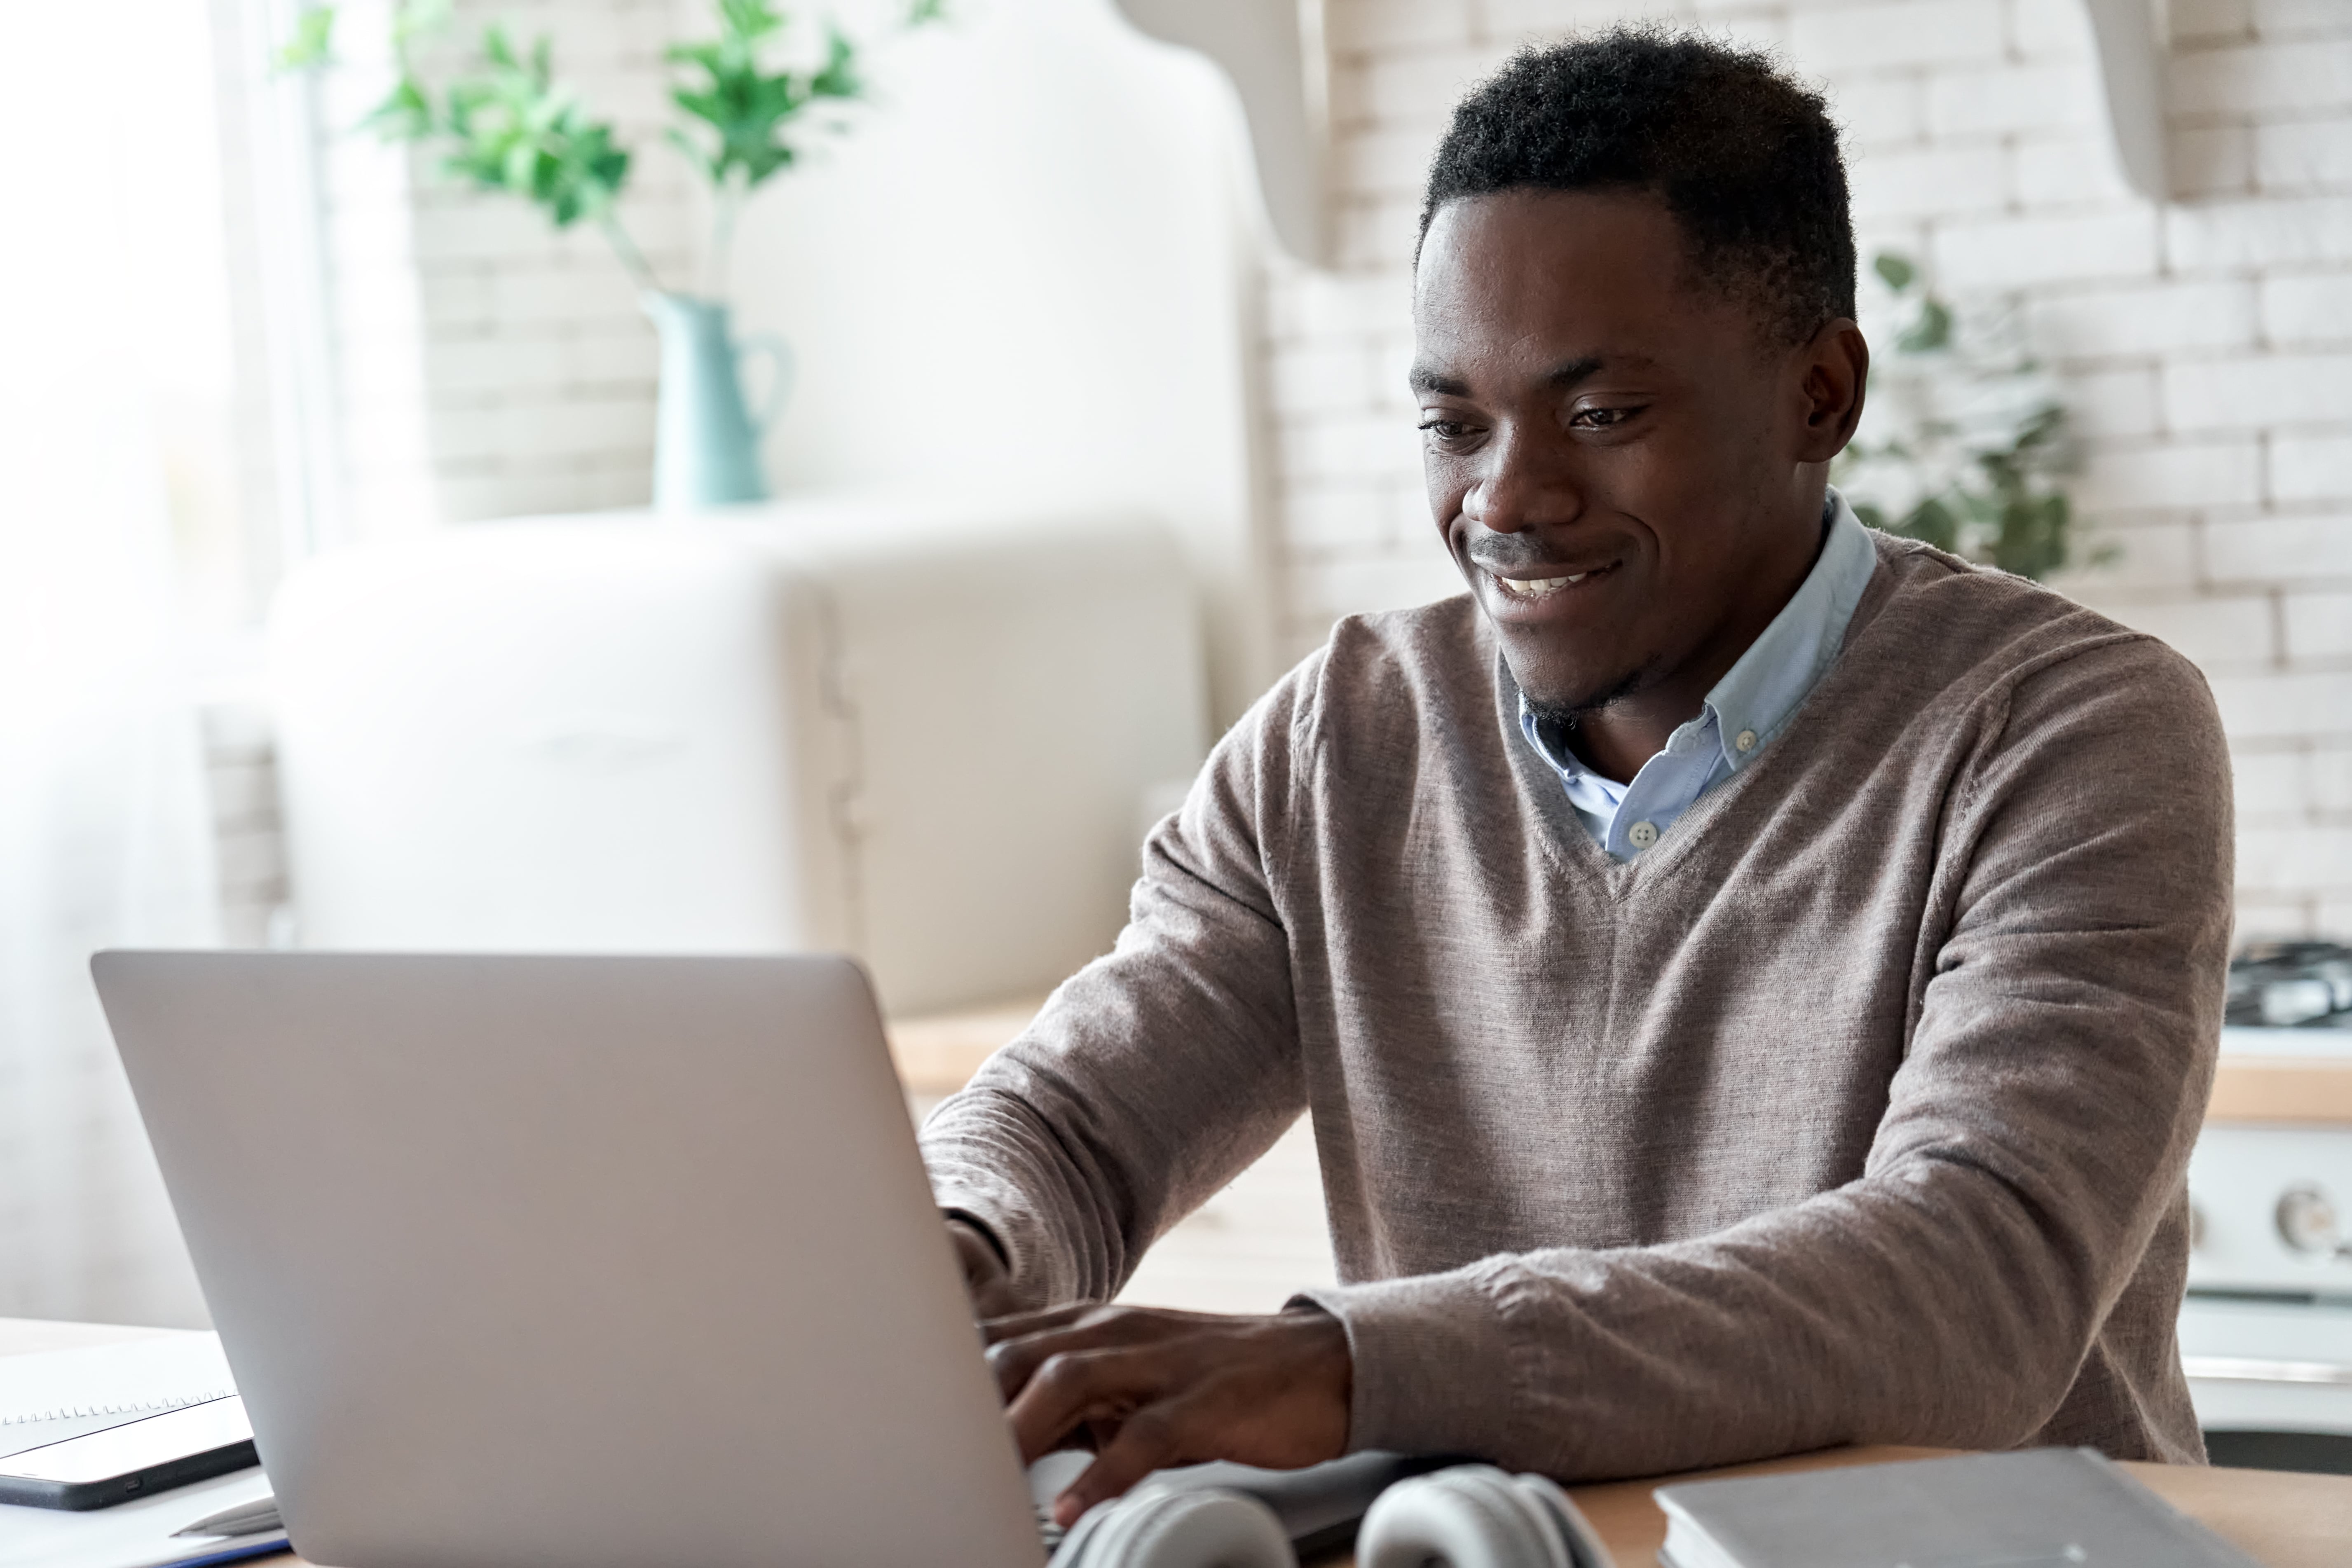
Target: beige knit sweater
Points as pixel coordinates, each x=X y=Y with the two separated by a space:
x=1856 y=1111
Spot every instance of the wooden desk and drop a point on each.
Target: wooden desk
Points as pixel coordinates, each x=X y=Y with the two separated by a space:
x=2281 y=1520
x=938 y=1053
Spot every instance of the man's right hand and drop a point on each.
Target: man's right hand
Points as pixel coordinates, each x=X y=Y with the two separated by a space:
x=986 y=1278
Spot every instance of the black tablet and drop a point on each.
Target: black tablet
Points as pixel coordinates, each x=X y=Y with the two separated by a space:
x=152 y=1454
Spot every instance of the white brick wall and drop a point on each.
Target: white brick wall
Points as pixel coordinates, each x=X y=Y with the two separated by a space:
x=490 y=365
x=2205 y=347
x=538 y=364
x=241 y=776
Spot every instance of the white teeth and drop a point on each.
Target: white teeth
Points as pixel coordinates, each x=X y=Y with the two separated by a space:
x=1539 y=587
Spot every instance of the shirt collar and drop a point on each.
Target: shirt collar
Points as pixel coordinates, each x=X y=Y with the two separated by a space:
x=1756 y=696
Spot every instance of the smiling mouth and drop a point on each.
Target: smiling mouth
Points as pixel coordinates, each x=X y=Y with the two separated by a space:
x=1545 y=587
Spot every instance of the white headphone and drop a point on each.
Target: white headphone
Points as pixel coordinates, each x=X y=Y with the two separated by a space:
x=1471 y=1516
x=1215 y=1529
x=1475 y=1516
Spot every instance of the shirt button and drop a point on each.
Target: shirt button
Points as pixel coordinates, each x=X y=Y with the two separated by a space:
x=1745 y=740
x=1642 y=834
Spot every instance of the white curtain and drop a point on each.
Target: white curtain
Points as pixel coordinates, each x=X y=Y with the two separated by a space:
x=103 y=837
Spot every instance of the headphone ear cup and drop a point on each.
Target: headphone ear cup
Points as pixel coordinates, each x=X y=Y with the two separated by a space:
x=1472 y=1516
x=1179 y=1530
x=1582 y=1547
x=1475 y=1516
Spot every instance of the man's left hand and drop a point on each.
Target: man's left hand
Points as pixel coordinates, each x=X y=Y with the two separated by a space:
x=1154 y=1389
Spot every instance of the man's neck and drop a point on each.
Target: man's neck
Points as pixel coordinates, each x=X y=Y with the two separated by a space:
x=1616 y=740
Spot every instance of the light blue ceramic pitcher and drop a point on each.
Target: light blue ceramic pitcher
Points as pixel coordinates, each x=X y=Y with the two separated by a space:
x=706 y=442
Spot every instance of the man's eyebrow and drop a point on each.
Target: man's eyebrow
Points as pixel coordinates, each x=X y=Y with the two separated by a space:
x=1428 y=380
x=1564 y=376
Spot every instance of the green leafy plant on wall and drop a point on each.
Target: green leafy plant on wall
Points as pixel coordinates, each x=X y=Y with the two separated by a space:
x=508 y=124
x=1964 y=443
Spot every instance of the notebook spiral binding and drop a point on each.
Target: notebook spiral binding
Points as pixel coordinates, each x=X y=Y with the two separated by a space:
x=135 y=1407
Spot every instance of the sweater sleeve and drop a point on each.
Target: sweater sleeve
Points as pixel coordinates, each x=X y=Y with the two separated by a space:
x=2034 y=1139
x=1159 y=1072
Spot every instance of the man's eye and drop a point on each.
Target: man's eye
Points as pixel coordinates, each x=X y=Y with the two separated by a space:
x=1444 y=429
x=1602 y=418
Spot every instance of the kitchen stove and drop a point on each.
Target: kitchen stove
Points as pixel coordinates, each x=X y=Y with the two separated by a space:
x=2266 y=1330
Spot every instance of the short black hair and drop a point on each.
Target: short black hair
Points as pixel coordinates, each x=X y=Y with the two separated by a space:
x=1744 y=157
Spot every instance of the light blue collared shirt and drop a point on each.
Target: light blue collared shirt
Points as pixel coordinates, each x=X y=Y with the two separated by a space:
x=1747 y=708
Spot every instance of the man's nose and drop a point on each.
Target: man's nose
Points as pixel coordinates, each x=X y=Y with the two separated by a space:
x=1521 y=485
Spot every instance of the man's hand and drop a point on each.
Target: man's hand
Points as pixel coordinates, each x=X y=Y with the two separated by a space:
x=1155 y=1388
x=985 y=1279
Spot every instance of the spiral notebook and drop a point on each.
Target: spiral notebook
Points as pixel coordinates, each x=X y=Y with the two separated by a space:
x=52 y=1395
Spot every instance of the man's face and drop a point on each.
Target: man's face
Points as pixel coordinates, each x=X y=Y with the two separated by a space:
x=1614 y=455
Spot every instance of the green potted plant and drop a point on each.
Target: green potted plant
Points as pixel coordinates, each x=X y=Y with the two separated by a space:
x=1964 y=443
x=506 y=124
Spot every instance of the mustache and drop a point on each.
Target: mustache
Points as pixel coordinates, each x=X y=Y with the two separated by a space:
x=1505 y=555
x=1541 y=551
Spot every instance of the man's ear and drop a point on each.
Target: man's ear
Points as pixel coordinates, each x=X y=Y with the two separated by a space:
x=1835 y=368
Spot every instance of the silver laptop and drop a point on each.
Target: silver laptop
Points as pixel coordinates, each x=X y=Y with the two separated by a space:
x=522 y=1260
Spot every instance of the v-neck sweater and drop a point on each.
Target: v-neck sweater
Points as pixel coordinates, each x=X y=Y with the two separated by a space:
x=1858 y=1110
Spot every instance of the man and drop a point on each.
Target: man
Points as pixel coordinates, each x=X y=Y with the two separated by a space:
x=1756 y=982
